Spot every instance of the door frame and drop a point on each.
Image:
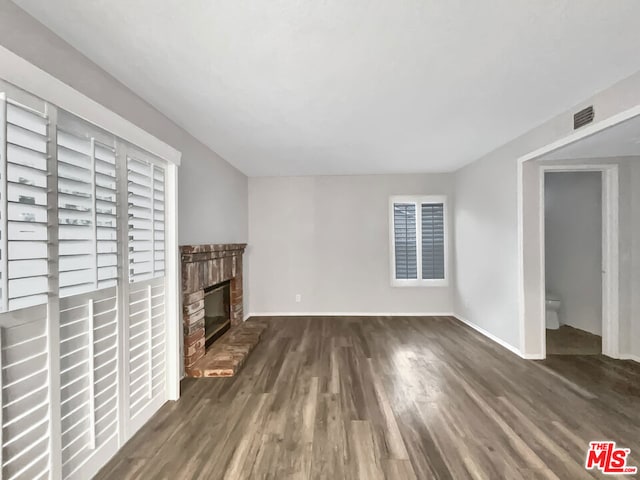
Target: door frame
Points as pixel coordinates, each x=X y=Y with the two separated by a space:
x=609 y=245
x=530 y=297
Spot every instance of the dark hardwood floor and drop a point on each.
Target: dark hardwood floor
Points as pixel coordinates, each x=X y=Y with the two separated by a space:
x=397 y=398
x=568 y=340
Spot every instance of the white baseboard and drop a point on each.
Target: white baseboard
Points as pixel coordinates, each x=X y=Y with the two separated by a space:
x=630 y=356
x=532 y=356
x=348 y=314
x=492 y=337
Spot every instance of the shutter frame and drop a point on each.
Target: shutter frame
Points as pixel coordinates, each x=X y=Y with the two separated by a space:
x=425 y=258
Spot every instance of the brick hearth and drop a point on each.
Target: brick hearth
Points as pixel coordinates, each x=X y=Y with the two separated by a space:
x=228 y=354
x=204 y=266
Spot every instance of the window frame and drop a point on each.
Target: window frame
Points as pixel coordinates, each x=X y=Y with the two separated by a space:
x=418 y=201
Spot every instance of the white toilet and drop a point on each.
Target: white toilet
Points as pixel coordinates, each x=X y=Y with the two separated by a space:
x=553 y=307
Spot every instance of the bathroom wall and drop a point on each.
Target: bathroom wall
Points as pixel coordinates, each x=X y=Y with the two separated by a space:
x=573 y=246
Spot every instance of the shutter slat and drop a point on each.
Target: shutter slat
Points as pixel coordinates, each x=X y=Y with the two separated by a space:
x=30 y=231
x=27 y=119
x=25 y=138
x=21 y=174
x=19 y=155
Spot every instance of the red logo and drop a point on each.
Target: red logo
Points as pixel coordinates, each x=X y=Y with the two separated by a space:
x=608 y=459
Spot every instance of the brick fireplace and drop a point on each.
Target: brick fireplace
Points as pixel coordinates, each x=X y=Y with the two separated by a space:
x=206 y=268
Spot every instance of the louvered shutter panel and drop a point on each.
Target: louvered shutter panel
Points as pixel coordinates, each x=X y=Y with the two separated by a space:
x=432 y=219
x=404 y=231
x=88 y=265
x=71 y=338
x=88 y=380
x=106 y=219
x=140 y=184
x=87 y=210
x=24 y=207
x=146 y=346
x=25 y=398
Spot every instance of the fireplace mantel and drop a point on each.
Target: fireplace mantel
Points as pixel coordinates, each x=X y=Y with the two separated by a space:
x=204 y=266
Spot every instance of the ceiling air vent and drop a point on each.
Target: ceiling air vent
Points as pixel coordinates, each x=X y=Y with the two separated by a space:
x=583 y=117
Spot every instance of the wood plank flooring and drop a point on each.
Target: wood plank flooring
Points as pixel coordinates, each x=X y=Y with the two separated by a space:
x=396 y=398
x=567 y=340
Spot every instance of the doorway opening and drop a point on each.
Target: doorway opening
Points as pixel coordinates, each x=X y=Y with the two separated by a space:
x=611 y=149
x=573 y=261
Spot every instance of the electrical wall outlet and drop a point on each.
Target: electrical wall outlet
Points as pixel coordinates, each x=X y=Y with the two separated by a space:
x=298 y=298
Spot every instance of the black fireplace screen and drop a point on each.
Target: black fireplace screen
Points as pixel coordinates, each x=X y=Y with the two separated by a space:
x=217 y=312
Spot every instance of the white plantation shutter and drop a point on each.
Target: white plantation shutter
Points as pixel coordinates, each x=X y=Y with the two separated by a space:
x=146 y=185
x=24 y=207
x=418 y=240
x=86 y=209
x=83 y=351
x=88 y=380
x=404 y=230
x=432 y=219
x=25 y=398
x=146 y=242
x=146 y=347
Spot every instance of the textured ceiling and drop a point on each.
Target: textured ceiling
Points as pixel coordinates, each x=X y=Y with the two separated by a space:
x=291 y=87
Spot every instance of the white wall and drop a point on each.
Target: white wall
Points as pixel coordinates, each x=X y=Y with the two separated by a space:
x=634 y=348
x=486 y=220
x=212 y=194
x=573 y=246
x=327 y=239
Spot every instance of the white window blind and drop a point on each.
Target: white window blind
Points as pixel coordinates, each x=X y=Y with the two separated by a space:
x=23 y=206
x=86 y=208
x=146 y=193
x=418 y=239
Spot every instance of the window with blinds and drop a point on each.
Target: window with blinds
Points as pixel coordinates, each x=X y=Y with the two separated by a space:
x=146 y=193
x=23 y=206
x=418 y=231
x=86 y=209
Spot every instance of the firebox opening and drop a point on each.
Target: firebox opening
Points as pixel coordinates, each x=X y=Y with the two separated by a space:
x=217 y=312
